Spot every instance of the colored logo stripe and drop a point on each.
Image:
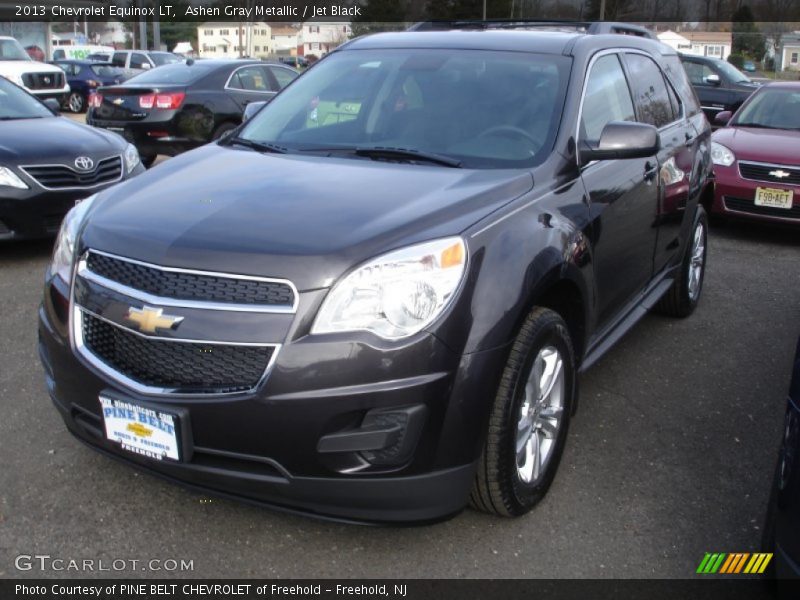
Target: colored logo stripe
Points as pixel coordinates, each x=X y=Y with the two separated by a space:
x=733 y=563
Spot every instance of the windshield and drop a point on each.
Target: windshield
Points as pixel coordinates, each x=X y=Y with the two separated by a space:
x=771 y=108
x=731 y=72
x=483 y=109
x=164 y=58
x=12 y=50
x=180 y=73
x=17 y=104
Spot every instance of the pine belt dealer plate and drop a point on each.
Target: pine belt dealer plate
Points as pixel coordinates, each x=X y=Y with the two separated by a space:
x=140 y=430
x=774 y=198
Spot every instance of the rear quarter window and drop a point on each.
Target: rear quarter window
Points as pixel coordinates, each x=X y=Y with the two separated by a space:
x=673 y=68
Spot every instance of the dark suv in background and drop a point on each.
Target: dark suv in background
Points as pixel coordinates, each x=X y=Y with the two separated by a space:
x=719 y=85
x=381 y=314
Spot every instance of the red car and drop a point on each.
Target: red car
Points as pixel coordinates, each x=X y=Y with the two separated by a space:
x=757 y=157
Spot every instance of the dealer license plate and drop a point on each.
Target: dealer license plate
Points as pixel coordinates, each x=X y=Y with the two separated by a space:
x=774 y=198
x=140 y=430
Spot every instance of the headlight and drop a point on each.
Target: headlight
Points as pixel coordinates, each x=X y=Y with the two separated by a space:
x=397 y=294
x=131 y=158
x=10 y=179
x=64 y=252
x=720 y=155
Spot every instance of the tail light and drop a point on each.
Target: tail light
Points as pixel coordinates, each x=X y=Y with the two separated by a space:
x=169 y=101
x=95 y=100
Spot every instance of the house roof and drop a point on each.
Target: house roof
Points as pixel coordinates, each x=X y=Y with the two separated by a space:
x=707 y=37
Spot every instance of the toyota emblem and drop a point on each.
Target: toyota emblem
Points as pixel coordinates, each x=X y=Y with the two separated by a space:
x=84 y=163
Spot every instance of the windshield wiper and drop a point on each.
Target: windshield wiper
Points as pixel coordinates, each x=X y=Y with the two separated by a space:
x=20 y=118
x=379 y=152
x=258 y=146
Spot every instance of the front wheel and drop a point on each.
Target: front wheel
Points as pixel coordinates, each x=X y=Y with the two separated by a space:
x=76 y=102
x=529 y=419
x=148 y=160
x=683 y=296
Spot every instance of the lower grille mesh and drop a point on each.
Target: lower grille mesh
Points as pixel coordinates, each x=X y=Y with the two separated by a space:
x=181 y=366
x=748 y=206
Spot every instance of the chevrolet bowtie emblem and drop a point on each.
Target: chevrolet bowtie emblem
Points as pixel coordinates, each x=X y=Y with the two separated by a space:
x=780 y=174
x=118 y=101
x=149 y=319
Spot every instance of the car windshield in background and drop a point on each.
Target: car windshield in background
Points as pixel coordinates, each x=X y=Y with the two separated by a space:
x=176 y=73
x=734 y=74
x=106 y=71
x=773 y=108
x=17 y=104
x=477 y=109
x=164 y=58
x=12 y=50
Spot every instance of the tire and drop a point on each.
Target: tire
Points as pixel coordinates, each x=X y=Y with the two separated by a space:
x=222 y=130
x=681 y=299
x=500 y=486
x=148 y=160
x=76 y=102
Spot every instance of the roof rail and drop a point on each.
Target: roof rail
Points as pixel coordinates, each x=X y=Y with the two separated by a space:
x=590 y=27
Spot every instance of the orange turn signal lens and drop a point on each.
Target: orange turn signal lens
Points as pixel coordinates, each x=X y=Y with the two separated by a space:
x=453 y=256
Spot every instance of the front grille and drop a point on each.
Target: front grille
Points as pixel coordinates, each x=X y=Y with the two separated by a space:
x=187 y=367
x=107 y=170
x=181 y=285
x=43 y=81
x=759 y=172
x=748 y=206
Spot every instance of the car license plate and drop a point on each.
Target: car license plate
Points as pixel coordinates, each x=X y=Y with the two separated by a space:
x=140 y=430
x=774 y=198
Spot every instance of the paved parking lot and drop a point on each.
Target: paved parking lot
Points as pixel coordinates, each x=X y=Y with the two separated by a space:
x=670 y=456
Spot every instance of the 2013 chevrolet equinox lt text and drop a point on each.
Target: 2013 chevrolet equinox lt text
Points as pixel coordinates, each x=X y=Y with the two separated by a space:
x=373 y=300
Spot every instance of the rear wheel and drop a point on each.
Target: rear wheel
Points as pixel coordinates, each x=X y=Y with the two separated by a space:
x=683 y=296
x=222 y=130
x=529 y=419
x=76 y=102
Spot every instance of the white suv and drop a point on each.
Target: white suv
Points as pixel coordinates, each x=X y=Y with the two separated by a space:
x=42 y=80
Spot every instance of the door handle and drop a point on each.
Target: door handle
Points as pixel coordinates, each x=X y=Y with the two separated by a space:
x=689 y=138
x=650 y=171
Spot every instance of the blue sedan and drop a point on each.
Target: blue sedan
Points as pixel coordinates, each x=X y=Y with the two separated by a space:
x=84 y=76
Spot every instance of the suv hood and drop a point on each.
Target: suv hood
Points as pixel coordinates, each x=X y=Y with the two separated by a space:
x=762 y=145
x=54 y=140
x=303 y=218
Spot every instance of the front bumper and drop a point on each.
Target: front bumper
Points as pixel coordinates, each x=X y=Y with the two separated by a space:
x=734 y=196
x=266 y=446
x=37 y=212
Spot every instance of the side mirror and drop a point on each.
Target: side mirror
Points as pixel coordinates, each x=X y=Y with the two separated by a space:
x=53 y=105
x=723 y=118
x=622 y=139
x=146 y=66
x=251 y=109
x=712 y=79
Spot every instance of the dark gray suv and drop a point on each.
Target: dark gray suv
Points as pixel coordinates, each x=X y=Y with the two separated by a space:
x=373 y=299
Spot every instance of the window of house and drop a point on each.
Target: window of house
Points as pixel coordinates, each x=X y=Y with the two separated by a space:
x=224 y=32
x=795 y=58
x=208 y=32
x=714 y=51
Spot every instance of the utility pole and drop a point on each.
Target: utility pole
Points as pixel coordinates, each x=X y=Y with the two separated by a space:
x=142 y=29
x=156 y=27
x=484 y=10
x=602 y=10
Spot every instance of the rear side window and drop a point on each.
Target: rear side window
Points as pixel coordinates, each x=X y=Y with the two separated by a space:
x=58 y=54
x=649 y=90
x=676 y=73
x=283 y=76
x=251 y=79
x=607 y=98
x=138 y=61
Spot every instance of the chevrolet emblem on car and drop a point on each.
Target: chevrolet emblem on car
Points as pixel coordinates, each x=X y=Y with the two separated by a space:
x=149 y=319
x=779 y=173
